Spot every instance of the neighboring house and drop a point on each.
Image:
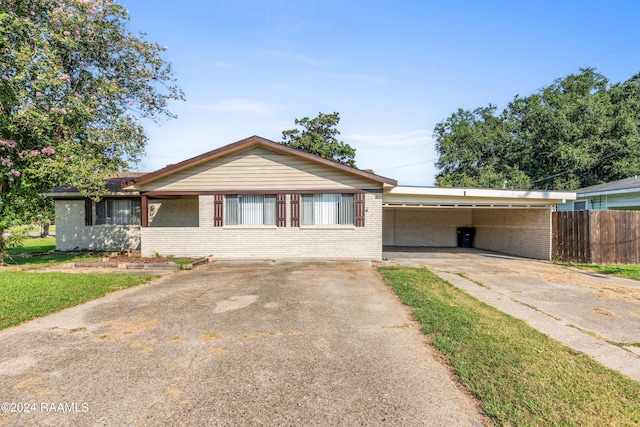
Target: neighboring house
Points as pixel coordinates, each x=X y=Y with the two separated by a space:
x=617 y=195
x=259 y=199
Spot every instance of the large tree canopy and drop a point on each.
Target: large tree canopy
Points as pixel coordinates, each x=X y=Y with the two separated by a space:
x=579 y=131
x=75 y=84
x=318 y=137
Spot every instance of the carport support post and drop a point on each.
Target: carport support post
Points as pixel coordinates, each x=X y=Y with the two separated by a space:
x=144 y=214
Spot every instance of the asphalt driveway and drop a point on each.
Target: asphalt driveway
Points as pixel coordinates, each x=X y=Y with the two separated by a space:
x=263 y=343
x=593 y=313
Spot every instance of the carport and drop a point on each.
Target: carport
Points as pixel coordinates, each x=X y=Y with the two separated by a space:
x=515 y=222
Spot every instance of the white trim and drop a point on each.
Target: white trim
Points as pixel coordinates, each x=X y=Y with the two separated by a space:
x=473 y=197
x=483 y=193
x=465 y=206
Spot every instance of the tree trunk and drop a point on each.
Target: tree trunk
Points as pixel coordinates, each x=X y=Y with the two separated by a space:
x=2 y=250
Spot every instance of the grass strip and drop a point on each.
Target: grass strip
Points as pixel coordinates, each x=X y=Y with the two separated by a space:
x=521 y=376
x=627 y=271
x=25 y=296
x=41 y=261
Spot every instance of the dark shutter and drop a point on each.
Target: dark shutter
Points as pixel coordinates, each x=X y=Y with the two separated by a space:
x=217 y=210
x=144 y=211
x=359 y=209
x=295 y=210
x=281 y=219
x=88 y=212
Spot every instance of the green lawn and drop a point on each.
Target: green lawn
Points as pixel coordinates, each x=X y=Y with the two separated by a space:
x=521 y=376
x=34 y=244
x=25 y=296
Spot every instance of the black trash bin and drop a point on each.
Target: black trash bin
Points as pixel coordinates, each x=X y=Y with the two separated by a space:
x=465 y=237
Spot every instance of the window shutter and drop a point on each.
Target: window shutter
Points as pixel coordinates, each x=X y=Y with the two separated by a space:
x=88 y=212
x=144 y=211
x=360 y=209
x=217 y=210
x=295 y=210
x=281 y=220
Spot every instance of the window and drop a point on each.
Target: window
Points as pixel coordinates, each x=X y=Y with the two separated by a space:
x=580 y=206
x=250 y=209
x=327 y=209
x=117 y=212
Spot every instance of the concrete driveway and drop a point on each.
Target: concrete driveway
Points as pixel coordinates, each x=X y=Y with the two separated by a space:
x=263 y=343
x=593 y=313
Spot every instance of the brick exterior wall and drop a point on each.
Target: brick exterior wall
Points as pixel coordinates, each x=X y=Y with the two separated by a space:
x=182 y=212
x=322 y=242
x=423 y=227
x=72 y=233
x=521 y=232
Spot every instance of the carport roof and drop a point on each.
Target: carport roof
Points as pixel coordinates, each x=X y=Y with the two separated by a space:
x=473 y=197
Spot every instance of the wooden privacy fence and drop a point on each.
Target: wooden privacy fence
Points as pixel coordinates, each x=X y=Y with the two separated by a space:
x=596 y=237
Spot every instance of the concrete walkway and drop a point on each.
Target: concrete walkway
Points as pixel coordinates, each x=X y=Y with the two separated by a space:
x=260 y=343
x=592 y=313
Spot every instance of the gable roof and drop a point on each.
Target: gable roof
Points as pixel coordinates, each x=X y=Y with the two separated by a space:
x=250 y=142
x=626 y=185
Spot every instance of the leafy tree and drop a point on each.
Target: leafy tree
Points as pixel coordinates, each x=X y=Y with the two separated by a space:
x=472 y=147
x=579 y=131
x=75 y=84
x=318 y=137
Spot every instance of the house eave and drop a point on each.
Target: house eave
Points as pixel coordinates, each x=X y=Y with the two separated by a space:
x=446 y=196
x=608 y=192
x=78 y=195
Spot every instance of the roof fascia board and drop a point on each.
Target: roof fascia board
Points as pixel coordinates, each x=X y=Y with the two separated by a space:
x=483 y=193
x=453 y=200
x=79 y=195
x=246 y=144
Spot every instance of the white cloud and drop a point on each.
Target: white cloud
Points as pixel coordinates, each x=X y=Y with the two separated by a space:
x=233 y=105
x=407 y=139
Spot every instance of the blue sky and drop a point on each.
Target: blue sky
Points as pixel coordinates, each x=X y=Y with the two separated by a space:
x=392 y=69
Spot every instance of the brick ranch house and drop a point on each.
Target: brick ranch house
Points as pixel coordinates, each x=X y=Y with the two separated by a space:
x=260 y=199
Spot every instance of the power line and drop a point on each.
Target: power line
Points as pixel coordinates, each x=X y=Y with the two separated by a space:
x=404 y=166
x=579 y=167
x=614 y=50
x=411 y=152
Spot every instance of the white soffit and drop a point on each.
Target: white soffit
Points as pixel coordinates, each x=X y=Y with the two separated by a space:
x=438 y=196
